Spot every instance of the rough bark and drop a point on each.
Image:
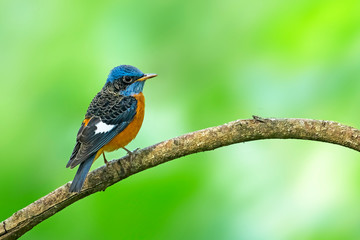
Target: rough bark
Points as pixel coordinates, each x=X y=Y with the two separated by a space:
x=199 y=141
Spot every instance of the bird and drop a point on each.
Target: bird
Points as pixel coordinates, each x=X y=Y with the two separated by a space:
x=112 y=120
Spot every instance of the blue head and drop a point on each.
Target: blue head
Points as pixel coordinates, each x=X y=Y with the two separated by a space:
x=128 y=80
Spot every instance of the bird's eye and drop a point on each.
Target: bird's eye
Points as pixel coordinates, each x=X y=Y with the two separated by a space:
x=127 y=79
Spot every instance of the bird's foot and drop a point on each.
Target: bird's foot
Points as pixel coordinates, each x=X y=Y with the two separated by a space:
x=131 y=153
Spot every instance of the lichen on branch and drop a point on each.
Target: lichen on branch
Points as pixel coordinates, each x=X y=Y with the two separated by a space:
x=199 y=141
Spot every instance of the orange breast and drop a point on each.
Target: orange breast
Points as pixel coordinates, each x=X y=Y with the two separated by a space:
x=130 y=132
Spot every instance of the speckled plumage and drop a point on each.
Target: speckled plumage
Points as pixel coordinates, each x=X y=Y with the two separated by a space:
x=112 y=120
x=109 y=106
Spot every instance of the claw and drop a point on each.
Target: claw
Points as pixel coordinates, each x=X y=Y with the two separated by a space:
x=131 y=153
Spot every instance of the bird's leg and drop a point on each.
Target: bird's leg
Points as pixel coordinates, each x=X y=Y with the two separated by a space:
x=105 y=160
x=130 y=153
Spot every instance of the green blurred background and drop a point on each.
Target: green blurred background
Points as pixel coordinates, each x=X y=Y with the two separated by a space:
x=217 y=61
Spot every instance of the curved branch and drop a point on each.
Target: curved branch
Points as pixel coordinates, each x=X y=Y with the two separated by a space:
x=199 y=141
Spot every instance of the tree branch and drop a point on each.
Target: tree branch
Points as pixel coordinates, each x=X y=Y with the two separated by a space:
x=199 y=141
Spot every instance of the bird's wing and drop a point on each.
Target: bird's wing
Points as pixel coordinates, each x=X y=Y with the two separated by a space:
x=106 y=117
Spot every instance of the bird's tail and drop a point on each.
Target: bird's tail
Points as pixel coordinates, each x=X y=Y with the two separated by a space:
x=81 y=174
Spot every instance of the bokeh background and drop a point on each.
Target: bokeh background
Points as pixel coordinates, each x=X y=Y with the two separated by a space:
x=217 y=61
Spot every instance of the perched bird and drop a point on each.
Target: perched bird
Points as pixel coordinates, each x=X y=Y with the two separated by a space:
x=112 y=120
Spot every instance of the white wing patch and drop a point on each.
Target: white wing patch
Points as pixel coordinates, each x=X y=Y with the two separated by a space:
x=102 y=127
